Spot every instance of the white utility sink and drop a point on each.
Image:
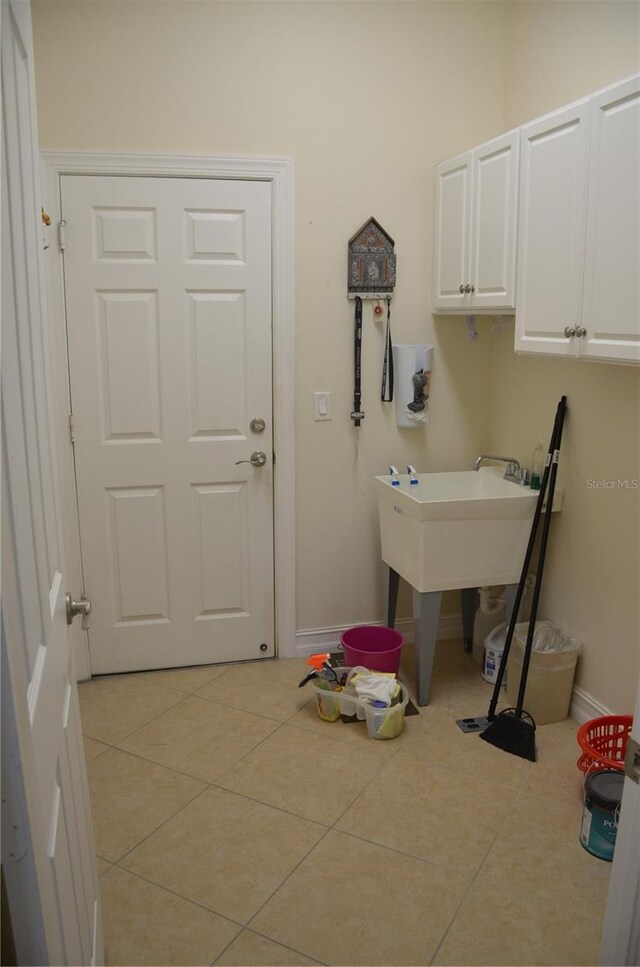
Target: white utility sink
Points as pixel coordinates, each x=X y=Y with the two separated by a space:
x=456 y=530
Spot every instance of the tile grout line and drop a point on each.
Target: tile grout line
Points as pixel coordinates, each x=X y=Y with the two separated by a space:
x=315 y=845
x=508 y=813
x=264 y=937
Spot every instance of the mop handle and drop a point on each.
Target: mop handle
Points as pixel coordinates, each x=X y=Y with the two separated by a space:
x=525 y=568
x=541 y=558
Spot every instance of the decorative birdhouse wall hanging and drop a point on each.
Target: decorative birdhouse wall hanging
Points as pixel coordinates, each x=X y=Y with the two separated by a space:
x=372 y=262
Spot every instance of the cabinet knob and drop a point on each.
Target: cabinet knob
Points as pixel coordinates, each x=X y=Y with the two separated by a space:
x=580 y=331
x=462 y=289
x=569 y=331
x=469 y=288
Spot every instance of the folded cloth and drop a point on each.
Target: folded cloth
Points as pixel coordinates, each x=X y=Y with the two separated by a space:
x=375 y=688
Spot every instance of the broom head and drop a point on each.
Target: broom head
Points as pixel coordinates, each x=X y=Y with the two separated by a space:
x=514 y=732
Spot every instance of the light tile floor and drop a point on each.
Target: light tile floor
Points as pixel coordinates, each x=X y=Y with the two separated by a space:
x=233 y=826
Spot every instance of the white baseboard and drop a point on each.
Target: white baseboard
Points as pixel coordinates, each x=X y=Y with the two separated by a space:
x=327 y=639
x=585 y=706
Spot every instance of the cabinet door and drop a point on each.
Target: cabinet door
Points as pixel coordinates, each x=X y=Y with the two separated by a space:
x=493 y=223
x=452 y=217
x=611 y=313
x=551 y=230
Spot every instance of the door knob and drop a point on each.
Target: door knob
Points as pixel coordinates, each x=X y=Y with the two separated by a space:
x=569 y=331
x=257 y=459
x=73 y=608
x=257 y=425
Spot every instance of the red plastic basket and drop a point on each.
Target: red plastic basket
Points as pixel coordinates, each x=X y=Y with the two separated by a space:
x=604 y=742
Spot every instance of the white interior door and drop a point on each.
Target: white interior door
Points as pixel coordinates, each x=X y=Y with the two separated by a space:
x=48 y=856
x=168 y=294
x=621 y=934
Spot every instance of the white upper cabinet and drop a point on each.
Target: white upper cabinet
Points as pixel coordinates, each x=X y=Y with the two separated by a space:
x=611 y=308
x=553 y=194
x=579 y=233
x=476 y=211
x=563 y=192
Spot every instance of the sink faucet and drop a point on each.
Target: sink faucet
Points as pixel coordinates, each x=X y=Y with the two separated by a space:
x=512 y=472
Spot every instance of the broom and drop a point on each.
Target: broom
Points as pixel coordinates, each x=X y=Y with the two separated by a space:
x=514 y=730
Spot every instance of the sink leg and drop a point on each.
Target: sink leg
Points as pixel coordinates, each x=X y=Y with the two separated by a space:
x=510 y=591
x=469 y=598
x=391 y=582
x=426 y=613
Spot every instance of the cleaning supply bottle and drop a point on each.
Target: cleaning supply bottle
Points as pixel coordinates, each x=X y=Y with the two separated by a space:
x=537 y=467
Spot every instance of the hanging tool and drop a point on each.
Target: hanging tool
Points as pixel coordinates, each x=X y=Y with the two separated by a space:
x=387 y=365
x=357 y=415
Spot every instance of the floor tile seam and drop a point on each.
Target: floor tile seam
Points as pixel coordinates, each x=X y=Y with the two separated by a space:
x=478 y=872
x=160 y=765
x=282 y=883
x=180 y=896
x=448 y=867
x=382 y=767
x=257 y=933
x=144 y=725
x=235 y=708
x=261 y=802
x=173 y=815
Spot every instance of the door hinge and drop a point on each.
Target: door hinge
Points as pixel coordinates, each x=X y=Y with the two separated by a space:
x=72 y=428
x=62 y=238
x=632 y=760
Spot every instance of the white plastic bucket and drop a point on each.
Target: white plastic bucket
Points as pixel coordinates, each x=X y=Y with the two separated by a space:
x=493 y=649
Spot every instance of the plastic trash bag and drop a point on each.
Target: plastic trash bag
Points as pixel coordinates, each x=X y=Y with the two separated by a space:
x=548 y=638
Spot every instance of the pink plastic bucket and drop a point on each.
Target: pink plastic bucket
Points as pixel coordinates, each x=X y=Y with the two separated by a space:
x=374 y=647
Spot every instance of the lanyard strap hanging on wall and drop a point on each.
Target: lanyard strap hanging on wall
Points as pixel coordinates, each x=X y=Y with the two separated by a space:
x=387 y=365
x=357 y=414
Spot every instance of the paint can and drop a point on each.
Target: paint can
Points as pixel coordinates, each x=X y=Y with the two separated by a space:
x=602 y=795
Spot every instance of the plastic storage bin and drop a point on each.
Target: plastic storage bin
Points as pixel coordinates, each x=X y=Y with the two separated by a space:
x=382 y=723
x=551 y=671
x=374 y=647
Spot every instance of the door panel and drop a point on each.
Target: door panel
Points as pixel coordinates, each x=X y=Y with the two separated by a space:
x=553 y=197
x=493 y=259
x=60 y=921
x=453 y=207
x=168 y=290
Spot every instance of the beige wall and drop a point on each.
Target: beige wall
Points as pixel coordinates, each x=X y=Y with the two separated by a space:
x=365 y=97
x=557 y=52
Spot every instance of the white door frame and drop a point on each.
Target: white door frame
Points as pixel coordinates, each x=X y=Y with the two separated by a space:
x=277 y=171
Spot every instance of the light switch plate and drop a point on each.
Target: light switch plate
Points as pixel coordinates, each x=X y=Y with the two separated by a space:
x=322 y=405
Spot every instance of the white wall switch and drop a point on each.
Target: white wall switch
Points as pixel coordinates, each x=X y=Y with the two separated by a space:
x=322 y=406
